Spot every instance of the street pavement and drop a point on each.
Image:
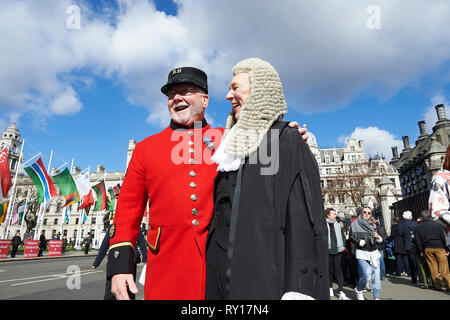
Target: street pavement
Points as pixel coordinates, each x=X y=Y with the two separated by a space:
x=71 y=277
x=398 y=288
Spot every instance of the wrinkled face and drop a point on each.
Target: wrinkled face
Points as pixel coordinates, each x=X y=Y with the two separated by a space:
x=239 y=92
x=186 y=103
x=367 y=213
x=332 y=215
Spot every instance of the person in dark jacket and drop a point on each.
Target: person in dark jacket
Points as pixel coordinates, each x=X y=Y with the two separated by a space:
x=336 y=246
x=401 y=259
x=423 y=265
x=268 y=241
x=42 y=244
x=407 y=229
x=431 y=243
x=15 y=241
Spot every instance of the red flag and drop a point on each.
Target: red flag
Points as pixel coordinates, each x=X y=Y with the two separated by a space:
x=5 y=174
x=88 y=201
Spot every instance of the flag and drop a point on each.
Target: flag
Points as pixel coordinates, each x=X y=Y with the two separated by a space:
x=5 y=174
x=21 y=210
x=67 y=187
x=116 y=191
x=71 y=199
x=100 y=191
x=44 y=185
x=85 y=213
x=84 y=188
x=15 y=215
x=112 y=199
x=88 y=201
x=66 y=217
x=3 y=209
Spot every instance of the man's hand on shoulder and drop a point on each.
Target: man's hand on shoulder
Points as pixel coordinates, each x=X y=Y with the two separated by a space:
x=303 y=131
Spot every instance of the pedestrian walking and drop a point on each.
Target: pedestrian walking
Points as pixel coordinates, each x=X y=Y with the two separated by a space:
x=336 y=246
x=364 y=236
x=15 y=242
x=432 y=244
x=407 y=229
x=42 y=244
x=64 y=245
x=401 y=259
x=423 y=265
x=87 y=243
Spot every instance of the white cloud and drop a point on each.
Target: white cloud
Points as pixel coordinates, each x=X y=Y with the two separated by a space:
x=324 y=52
x=376 y=141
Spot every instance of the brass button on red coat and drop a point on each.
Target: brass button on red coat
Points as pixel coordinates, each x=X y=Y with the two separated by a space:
x=192 y=173
x=194 y=212
x=195 y=222
x=193 y=197
x=193 y=185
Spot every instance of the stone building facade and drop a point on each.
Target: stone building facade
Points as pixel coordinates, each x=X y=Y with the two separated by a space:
x=380 y=179
x=416 y=165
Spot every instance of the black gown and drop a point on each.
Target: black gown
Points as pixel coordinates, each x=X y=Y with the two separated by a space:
x=281 y=241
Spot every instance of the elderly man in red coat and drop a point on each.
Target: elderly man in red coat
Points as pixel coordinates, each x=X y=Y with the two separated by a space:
x=173 y=172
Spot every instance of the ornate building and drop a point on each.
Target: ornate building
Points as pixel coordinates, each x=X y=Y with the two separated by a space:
x=416 y=165
x=349 y=180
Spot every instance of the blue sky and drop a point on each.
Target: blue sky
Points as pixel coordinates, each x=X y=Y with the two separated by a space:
x=347 y=71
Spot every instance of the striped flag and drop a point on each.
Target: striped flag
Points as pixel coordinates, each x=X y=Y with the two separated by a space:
x=112 y=199
x=15 y=215
x=67 y=187
x=100 y=191
x=44 y=185
x=116 y=191
x=3 y=208
x=5 y=174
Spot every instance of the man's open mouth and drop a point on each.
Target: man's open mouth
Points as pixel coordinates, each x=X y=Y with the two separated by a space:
x=180 y=108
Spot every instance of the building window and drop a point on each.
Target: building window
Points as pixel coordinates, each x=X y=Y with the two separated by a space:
x=352 y=148
x=58 y=207
x=93 y=220
x=44 y=222
x=56 y=221
x=341 y=199
x=327 y=159
x=322 y=185
x=353 y=158
x=328 y=170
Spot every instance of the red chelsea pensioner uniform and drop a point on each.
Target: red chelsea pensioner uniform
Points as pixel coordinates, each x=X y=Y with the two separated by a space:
x=173 y=171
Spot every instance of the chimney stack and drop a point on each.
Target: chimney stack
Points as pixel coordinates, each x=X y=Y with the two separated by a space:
x=406 y=142
x=440 y=111
x=423 y=128
x=394 y=152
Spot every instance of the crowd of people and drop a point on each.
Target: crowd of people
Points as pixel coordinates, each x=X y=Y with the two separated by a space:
x=361 y=253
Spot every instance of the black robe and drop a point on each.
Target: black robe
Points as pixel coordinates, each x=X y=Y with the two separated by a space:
x=281 y=241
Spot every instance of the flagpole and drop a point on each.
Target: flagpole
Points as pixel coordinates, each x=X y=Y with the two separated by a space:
x=25 y=210
x=39 y=219
x=64 y=213
x=80 y=218
x=12 y=196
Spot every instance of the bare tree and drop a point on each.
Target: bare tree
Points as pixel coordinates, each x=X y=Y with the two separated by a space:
x=351 y=181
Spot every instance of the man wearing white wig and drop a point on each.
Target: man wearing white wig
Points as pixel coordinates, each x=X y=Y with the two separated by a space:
x=267 y=238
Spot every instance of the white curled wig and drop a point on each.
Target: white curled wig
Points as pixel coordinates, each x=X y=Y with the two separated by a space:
x=263 y=107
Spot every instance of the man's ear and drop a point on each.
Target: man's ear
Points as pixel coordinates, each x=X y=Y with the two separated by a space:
x=205 y=101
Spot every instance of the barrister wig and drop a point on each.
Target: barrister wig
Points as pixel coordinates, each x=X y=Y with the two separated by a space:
x=264 y=105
